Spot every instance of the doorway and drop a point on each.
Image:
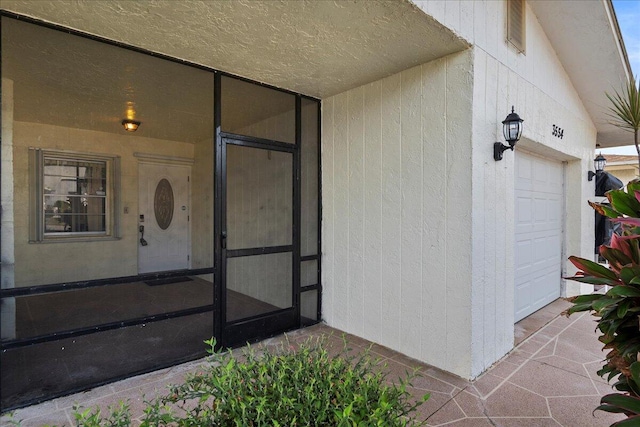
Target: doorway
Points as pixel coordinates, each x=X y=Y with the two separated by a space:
x=538 y=239
x=163 y=217
x=257 y=238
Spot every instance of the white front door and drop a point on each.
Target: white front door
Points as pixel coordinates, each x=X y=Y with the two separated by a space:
x=539 y=212
x=163 y=217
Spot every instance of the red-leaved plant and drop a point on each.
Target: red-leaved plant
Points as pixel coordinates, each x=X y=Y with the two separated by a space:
x=618 y=309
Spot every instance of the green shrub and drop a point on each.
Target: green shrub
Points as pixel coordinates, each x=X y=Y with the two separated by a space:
x=285 y=387
x=118 y=417
x=303 y=387
x=618 y=309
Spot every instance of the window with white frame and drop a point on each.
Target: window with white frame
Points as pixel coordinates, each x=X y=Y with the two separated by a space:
x=72 y=195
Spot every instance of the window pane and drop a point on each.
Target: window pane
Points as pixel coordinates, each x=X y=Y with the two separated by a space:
x=258 y=284
x=74 y=177
x=259 y=197
x=254 y=110
x=309 y=306
x=309 y=182
x=309 y=273
x=74 y=196
x=74 y=223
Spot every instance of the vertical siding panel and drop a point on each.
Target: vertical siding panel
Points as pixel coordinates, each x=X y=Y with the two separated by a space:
x=373 y=243
x=434 y=219
x=504 y=172
x=341 y=204
x=356 y=209
x=466 y=19
x=484 y=204
x=480 y=22
x=328 y=217
x=436 y=9
x=391 y=199
x=494 y=27
x=411 y=213
x=521 y=97
x=459 y=94
x=452 y=14
x=494 y=264
x=506 y=52
x=533 y=51
x=512 y=94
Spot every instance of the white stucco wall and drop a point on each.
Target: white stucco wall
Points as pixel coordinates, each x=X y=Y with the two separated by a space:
x=396 y=191
x=536 y=84
x=406 y=265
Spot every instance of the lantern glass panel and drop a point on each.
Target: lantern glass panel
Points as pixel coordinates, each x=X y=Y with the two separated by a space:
x=510 y=131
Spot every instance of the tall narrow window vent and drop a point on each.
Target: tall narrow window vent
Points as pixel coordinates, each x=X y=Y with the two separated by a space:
x=516 y=24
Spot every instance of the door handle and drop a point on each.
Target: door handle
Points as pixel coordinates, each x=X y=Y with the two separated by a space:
x=223 y=239
x=142 y=241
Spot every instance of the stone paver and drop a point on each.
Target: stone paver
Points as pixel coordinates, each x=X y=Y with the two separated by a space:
x=547 y=380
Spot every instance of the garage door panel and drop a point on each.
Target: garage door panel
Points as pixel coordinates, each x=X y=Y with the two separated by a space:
x=523 y=174
x=524 y=216
x=523 y=257
x=542 y=295
x=535 y=290
x=555 y=210
x=538 y=238
x=540 y=210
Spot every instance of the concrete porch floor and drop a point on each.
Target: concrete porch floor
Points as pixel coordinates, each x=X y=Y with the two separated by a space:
x=547 y=380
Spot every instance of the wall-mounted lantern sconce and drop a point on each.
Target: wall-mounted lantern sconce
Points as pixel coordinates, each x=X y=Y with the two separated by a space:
x=130 y=125
x=512 y=130
x=599 y=163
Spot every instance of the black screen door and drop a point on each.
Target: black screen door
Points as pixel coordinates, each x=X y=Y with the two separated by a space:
x=257 y=238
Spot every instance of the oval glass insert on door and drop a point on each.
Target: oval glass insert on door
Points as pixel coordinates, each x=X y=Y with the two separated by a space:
x=163 y=204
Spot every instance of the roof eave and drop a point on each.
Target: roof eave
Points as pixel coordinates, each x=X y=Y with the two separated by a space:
x=593 y=54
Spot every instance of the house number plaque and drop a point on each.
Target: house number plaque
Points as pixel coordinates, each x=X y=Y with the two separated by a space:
x=557 y=132
x=163 y=204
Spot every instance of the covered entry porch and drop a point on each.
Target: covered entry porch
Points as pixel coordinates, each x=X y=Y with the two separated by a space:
x=154 y=204
x=152 y=197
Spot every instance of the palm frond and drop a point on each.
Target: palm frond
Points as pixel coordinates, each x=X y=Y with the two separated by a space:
x=625 y=106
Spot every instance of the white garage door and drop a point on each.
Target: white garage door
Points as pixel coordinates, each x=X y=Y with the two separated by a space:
x=538 y=233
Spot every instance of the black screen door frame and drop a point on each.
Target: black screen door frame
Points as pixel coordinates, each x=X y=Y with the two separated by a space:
x=237 y=333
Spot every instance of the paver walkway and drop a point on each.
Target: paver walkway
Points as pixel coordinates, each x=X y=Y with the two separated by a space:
x=547 y=380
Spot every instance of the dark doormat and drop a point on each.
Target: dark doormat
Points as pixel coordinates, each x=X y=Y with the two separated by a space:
x=168 y=280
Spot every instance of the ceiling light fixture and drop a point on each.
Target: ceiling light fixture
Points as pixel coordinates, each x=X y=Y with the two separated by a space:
x=130 y=125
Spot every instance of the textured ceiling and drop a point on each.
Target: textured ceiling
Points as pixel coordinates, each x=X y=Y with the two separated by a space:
x=318 y=48
x=71 y=81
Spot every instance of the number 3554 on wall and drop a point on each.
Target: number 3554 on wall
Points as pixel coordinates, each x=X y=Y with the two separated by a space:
x=558 y=131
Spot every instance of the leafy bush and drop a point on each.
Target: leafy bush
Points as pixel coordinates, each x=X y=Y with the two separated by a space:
x=286 y=387
x=618 y=309
x=118 y=417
